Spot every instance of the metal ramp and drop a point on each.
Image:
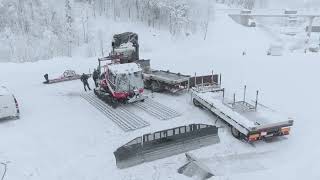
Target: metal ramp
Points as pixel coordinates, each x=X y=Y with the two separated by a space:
x=157 y=110
x=165 y=143
x=125 y=119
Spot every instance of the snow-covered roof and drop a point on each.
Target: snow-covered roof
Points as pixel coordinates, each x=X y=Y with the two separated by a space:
x=4 y=90
x=125 y=47
x=124 y=68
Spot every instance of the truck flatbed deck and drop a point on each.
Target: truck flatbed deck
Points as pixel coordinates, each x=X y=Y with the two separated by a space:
x=251 y=122
x=167 y=76
x=159 y=80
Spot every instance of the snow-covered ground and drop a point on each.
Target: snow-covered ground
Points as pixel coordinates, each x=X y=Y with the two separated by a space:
x=61 y=136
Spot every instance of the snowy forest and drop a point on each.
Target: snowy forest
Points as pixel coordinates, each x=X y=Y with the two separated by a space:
x=31 y=30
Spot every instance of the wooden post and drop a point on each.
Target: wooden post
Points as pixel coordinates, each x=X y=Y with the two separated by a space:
x=220 y=79
x=244 y=93
x=234 y=99
x=195 y=79
x=202 y=82
x=223 y=95
x=256 y=105
x=188 y=85
x=212 y=77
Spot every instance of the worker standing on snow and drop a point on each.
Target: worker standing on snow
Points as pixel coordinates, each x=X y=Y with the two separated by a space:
x=84 y=78
x=46 y=76
x=95 y=76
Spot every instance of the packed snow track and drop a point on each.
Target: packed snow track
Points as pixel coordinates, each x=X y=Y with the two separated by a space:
x=125 y=119
x=157 y=110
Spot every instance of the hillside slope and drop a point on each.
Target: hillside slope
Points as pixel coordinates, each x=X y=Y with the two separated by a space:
x=60 y=136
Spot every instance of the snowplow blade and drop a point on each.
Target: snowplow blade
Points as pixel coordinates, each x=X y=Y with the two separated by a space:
x=162 y=144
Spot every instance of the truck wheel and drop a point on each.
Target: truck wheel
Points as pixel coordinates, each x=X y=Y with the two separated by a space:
x=235 y=133
x=147 y=84
x=114 y=102
x=155 y=86
x=196 y=102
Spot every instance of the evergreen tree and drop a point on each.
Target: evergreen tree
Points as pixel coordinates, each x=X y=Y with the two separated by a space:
x=69 y=30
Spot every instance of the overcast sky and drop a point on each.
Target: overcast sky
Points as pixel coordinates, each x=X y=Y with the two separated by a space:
x=294 y=3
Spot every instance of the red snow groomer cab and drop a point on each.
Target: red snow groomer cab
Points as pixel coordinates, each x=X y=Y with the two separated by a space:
x=120 y=83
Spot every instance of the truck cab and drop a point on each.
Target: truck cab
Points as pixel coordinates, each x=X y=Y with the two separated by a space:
x=123 y=81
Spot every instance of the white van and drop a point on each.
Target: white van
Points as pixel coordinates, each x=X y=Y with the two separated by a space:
x=252 y=22
x=9 y=108
x=275 y=50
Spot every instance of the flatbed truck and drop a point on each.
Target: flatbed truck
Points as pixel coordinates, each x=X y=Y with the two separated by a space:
x=248 y=121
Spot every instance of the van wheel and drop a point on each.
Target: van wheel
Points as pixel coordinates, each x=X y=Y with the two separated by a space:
x=235 y=133
x=196 y=102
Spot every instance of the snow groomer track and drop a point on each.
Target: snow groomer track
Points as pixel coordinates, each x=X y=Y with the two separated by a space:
x=157 y=110
x=125 y=119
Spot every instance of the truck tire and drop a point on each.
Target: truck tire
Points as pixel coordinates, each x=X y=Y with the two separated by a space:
x=196 y=102
x=17 y=117
x=156 y=86
x=114 y=103
x=147 y=84
x=235 y=133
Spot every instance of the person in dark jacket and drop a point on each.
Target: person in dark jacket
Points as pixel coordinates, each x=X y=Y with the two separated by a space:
x=46 y=76
x=95 y=76
x=84 y=78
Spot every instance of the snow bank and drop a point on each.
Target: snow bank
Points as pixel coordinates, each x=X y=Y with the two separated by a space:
x=60 y=136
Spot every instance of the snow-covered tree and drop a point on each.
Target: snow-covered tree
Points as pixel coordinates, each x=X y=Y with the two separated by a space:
x=248 y=4
x=69 y=28
x=41 y=29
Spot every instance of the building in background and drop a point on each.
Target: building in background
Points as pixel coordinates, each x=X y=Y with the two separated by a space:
x=275 y=4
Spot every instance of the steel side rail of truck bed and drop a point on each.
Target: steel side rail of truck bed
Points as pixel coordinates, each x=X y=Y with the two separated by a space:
x=256 y=124
x=167 y=76
x=219 y=113
x=159 y=80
